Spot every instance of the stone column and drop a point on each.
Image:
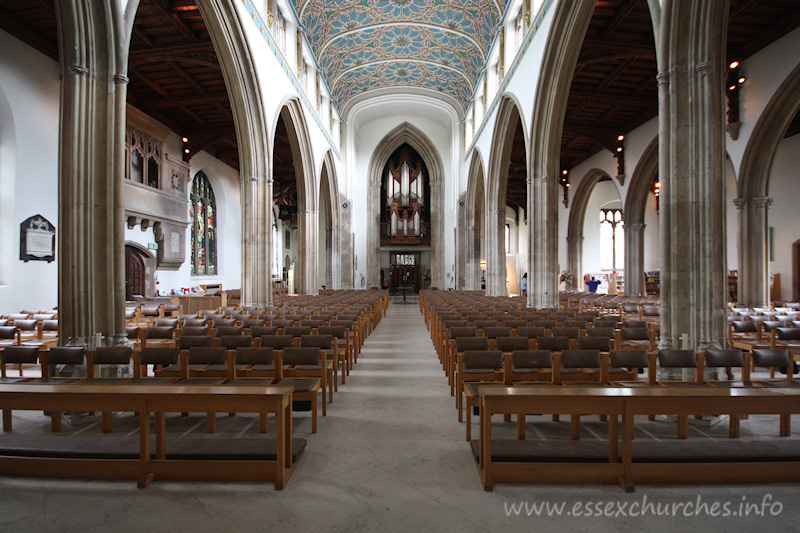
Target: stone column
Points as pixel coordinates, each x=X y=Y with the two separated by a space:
x=753 y=253
x=543 y=212
x=256 y=240
x=461 y=244
x=373 y=237
x=634 y=260
x=575 y=258
x=94 y=43
x=437 y=234
x=495 y=254
x=346 y=244
x=691 y=145
x=472 y=243
x=307 y=267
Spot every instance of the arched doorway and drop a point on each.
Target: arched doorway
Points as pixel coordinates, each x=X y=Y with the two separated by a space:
x=140 y=268
x=641 y=219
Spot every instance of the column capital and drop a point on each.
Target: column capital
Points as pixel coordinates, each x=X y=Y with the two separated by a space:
x=638 y=226
x=762 y=201
x=79 y=70
x=703 y=69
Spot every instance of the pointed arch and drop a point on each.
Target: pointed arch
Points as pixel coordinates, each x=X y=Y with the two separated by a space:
x=414 y=137
x=509 y=118
x=291 y=113
x=250 y=122
x=635 y=205
x=475 y=220
x=753 y=201
x=570 y=21
x=577 y=215
x=330 y=225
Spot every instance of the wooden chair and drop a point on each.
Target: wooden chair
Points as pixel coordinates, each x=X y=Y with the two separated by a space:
x=733 y=358
x=621 y=368
x=325 y=345
x=463 y=344
x=477 y=367
x=529 y=366
x=157 y=336
x=683 y=359
x=305 y=370
x=15 y=355
x=118 y=357
x=772 y=359
x=231 y=342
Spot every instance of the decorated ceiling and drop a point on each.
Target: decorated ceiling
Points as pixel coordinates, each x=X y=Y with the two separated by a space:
x=362 y=45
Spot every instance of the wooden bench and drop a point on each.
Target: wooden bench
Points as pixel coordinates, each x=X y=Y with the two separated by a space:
x=251 y=459
x=678 y=461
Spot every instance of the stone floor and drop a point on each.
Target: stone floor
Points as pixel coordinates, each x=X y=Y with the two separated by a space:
x=390 y=456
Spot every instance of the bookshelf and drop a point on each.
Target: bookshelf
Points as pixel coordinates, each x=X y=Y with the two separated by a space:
x=733 y=285
x=652 y=282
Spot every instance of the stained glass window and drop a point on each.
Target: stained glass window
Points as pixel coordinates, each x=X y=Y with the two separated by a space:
x=203 y=215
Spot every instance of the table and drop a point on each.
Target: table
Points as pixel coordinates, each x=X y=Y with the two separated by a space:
x=628 y=402
x=156 y=399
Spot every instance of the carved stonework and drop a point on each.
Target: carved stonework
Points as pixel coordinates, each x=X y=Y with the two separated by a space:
x=177 y=180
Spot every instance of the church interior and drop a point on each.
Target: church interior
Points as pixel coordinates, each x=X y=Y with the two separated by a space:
x=399 y=264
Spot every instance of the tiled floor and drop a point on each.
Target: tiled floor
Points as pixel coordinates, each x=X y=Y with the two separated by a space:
x=390 y=456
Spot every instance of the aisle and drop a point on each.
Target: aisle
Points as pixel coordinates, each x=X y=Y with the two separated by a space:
x=391 y=447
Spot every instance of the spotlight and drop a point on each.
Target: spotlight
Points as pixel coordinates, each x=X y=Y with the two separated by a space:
x=621 y=138
x=742 y=80
x=185 y=139
x=734 y=64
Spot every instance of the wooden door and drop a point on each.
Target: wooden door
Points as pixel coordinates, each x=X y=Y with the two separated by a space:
x=134 y=273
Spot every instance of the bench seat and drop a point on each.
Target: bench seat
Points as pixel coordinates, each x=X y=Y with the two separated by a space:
x=663 y=451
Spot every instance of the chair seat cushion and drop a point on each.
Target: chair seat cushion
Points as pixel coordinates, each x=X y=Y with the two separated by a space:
x=54 y=381
x=250 y=381
x=481 y=370
x=104 y=381
x=782 y=383
x=150 y=381
x=579 y=370
x=262 y=368
x=308 y=367
x=201 y=381
x=300 y=385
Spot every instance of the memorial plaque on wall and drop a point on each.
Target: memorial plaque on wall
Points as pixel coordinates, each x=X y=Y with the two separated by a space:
x=37 y=240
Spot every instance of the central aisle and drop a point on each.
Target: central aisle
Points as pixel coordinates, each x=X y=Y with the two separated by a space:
x=391 y=450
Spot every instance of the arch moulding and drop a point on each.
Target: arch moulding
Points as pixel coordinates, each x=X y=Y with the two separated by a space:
x=406 y=133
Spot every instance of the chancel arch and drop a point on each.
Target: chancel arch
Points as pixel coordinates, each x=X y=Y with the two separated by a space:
x=406 y=134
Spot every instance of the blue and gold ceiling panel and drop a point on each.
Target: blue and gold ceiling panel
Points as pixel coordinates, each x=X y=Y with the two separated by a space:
x=371 y=44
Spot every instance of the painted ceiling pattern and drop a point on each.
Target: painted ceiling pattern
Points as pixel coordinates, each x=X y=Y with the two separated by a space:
x=362 y=45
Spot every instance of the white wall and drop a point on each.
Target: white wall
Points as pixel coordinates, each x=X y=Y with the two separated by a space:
x=784 y=215
x=29 y=110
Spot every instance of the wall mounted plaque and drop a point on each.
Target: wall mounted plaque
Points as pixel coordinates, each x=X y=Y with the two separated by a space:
x=37 y=240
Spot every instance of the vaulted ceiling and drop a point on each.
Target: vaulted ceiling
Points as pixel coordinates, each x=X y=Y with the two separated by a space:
x=376 y=44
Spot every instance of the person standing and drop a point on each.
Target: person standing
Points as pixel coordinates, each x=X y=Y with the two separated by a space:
x=525 y=284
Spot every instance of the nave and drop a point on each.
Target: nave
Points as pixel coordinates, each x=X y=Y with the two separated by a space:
x=390 y=455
